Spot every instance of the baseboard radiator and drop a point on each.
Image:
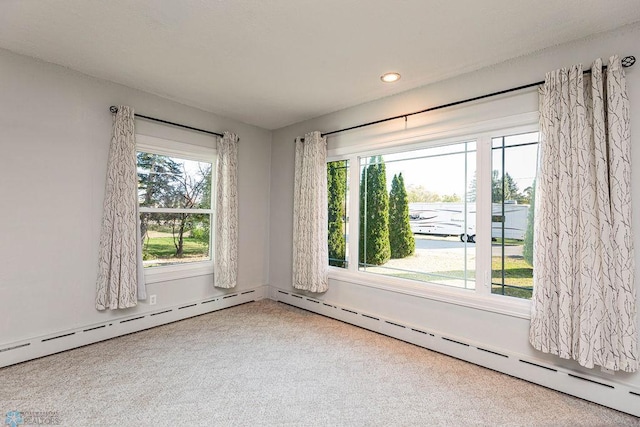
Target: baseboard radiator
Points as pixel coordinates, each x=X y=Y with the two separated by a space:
x=595 y=389
x=36 y=347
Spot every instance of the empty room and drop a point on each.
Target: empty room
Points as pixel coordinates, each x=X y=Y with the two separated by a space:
x=319 y=213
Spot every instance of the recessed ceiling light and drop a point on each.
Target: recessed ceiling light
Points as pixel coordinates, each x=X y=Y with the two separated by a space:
x=390 y=77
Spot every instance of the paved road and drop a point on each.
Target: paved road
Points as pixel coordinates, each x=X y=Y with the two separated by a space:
x=434 y=242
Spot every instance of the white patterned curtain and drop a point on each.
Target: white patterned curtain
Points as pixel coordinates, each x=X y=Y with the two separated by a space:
x=310 y=250
x=120 y=275
x=584 y=301
x=226 y=237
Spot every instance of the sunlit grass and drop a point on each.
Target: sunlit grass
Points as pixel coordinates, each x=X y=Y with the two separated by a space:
x=518 y=276
x=163 y=248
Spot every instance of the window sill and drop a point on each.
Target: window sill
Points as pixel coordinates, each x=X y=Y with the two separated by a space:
x=509 y=306
x=176 y=272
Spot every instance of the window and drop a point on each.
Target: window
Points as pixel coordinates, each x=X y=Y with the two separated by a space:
x=416 y=218
x=513 y=173
x=175 y=204
x=457 y=215
x=338 y=191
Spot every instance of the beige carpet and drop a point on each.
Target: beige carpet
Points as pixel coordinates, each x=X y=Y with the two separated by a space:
x=267 y=363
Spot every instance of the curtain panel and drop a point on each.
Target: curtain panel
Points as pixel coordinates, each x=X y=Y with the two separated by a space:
x=226 y=212
x=310 y=250
x=584 y=300
x=120 y=272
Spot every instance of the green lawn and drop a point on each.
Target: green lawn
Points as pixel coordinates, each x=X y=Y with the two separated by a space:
x=163 y=248
x=518 y=276
x=512 y=292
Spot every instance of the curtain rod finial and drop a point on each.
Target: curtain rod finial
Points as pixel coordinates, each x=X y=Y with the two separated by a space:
x=113 y=109
x=628 y=61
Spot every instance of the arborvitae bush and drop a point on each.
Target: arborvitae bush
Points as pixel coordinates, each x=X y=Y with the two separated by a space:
x=336 y=182
x=374 y=248
x=400 y=236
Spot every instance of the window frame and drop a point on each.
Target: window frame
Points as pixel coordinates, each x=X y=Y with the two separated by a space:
x=481 y=132
x=503 y=153
x=181 y=150
x=347 y=256
x=412 y=148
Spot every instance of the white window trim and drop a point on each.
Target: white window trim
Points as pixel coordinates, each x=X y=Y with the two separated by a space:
x=427 y=136
x=482 y=132
x=515 y=307
x=166 y=147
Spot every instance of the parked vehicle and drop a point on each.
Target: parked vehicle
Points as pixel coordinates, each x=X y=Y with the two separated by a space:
x=448 y=219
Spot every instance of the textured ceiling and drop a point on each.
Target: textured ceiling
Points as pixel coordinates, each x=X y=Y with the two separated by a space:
x=272 y=63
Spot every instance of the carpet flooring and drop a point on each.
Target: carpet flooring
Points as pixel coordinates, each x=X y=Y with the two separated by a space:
x=265 y=364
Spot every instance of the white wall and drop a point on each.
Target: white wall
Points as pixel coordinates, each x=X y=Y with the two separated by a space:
x=55 y=130
x=498 y=331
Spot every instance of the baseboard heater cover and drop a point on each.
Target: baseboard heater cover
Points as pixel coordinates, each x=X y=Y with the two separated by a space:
x=163 y=312
x=33 y=348
x=395 y=324
x=57 y=337
x=539 y=366
x=589 y=380
x=15 y=347
x=456 y=342
x=492 y=352
x=131 y=320
x=614 y=395
x=94 y=328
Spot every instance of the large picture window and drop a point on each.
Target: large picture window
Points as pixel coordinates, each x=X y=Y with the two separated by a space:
x=174 y=194
x=416 y=218
x=457 y=214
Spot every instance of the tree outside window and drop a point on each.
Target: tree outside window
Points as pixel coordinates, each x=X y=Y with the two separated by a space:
x=175 y=209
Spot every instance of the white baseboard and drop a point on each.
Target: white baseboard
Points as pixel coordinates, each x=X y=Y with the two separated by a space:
x=607 y=393
x=28 y=349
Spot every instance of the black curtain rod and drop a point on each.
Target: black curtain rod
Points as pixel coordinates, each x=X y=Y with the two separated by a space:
x=114 y=110
x=627 y=61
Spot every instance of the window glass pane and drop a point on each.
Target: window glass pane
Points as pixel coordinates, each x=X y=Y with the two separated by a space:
x=338 y=192
x=513 y=140
x=170 y=182
x=174 y=238
x=514 y=167
x=417 y=215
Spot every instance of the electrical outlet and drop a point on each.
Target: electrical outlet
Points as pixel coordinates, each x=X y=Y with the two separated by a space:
x=607 y=371
x=152 y=300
